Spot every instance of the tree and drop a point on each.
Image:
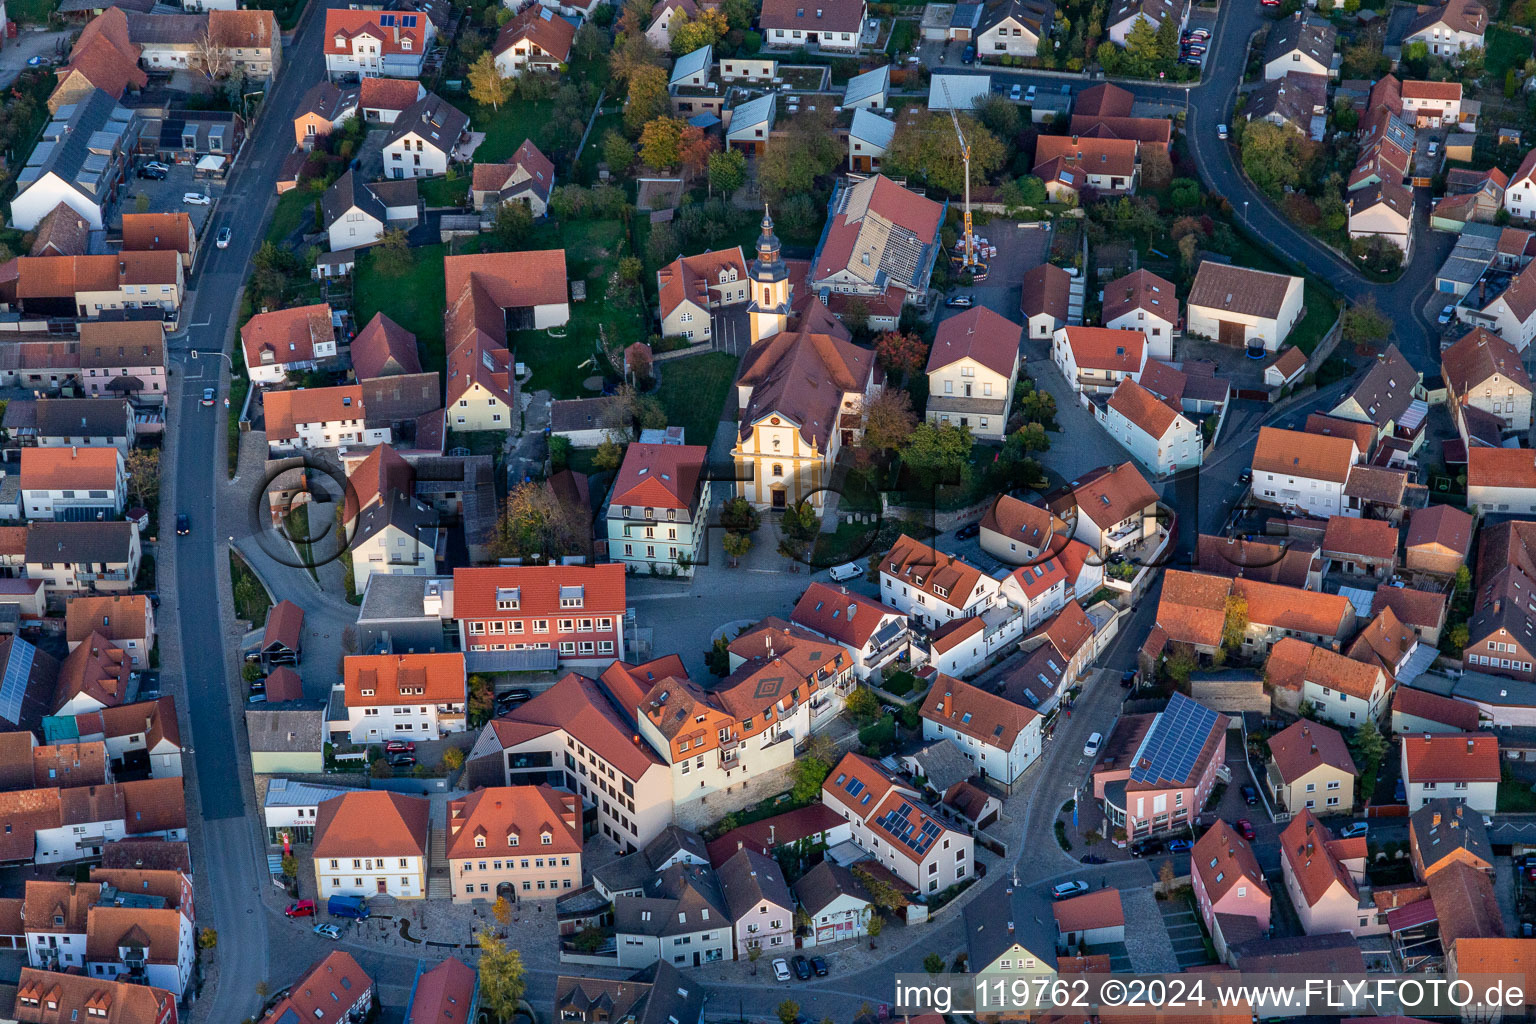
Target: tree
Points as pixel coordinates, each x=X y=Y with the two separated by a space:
x=689 y=34
x=536 y=523
x=143 y=466
x=1235 y=624
x=1271 y=155
x=754 y=954
x=925 y=150
x=1180 y=664
x=212 y=57
x=888 y=420
x=661 y=142
x=1370 y=746
x=453 y=759
x=501 y=975
x=882 y=893
x=727 y=171
x=514 y=223
x=1165 y=877
x=937 y=452
x=876 y=924
x=738 y=13
x=1377 y=253
x=1458 y=636
x=736 y=546
x=482 y=700
x=270 y=269
x=208 y=938
x=696 y=149
x=1463 y=580
x=487 y=85
x=788 y=1012
x=290 y=866
x=618 y=152
x=718 y=657
x=610 y=455
x=933 y=963
x=1000 y=116
x=738 y=514
x=648 y=97
x=392 y=256
x=901 y=355
x=808 y=773
x=862 y=705
x=380 y=769
x=856 y=315
x=1364 y=324
x=501 y=910
x=808 y=151
x=1156 y=167
x=140 y=204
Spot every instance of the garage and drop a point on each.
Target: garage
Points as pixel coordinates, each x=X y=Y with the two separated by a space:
x=1232 y=333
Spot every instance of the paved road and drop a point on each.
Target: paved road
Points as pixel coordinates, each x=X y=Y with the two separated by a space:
x=230 y=861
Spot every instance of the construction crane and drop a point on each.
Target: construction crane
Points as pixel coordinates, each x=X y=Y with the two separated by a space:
x=970 y=263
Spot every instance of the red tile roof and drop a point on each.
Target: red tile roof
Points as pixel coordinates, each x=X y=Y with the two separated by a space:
x=1292 y=453
x=1451 y=757
x=661 y=476
x=1107 y=348
x=689 y=278
x=538 y=590
x=1368 y=538
x=543 y=28
x=830 y=16
x=371 y=823
x=1441 y=526
x=54 y=469
x=386 y=679
x=1501 y=467
x=1225 y=860
x=1099 y=909
x=1141 y=289
x=1143 y=409
x=388 y=93
x=157 y=231
x=1445 y=710
x=494 y=816
x=346 y=25
x=383 y=346
x=326 y=994
x=285 y=626
x=49 y=997
x=980 y=335
x=1314 y=858
x=1304 y=746
x=986 y=717
x=845 y=616
x=920 y=566
x=578 y=706
x=288 y=335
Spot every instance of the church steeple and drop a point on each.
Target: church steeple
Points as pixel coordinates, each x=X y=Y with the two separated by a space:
x=768 y=313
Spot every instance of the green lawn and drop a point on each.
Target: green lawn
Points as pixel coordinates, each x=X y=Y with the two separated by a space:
x=445 y=191
x=693 y=392
x=414 y=300
x=295 y=210
x=1506 y=49
x=506 y=128
x=251 y=600
x=1320 y=315
x=31 y=12
x=559 y=364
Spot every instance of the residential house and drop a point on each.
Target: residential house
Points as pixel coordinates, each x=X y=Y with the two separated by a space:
x=1444 y=832
x=1302 y=470
x=323 y=109
x=317 y=418
x=283 y=635
x=1470 y=196
x=868 y=91
x=1040 y=590
x=869 y=136
x=1293 y=100
x=691 y=288
x=1438 y=540
x=397 y=536
x=1289 y=562
x=1323 y=877
x=627 y=876
x=285 y=737
x=356 y=214
x=141 y=735
x=836 y=26
x=669 y=997
x=1310 y=769
x=1154 y=771
x=1097 y=359
x=1104 y=111
x=370 y=44
x=251 y=38
x=1391 y=398
x=527 y=178
x=82 y=287
x=1229 y=886
x=1001 y=738
x=1460 y=767
x=932 y=587
x=1520 y=196
x=371 y=843
x=973 y=366
x=334 y=991
x=1092 y=919
x=83 y=557
x=875 y=635
x=1501 y=635
x=446 y=994
x=52 y=826
x=576 y=611
x=1014 y=29
x=43 y=997
x=287 y=341
x=891 y=824
x=1070 y=163
x=1046 y=300
x=1506 y=306
x=403 y=696
x=1154 y=431
x=495 y=834
x=1299 y=45
x=73 y=484
x=1501 y=480
x=749 y=124
x=659 y=31
x=838 y=904
x=1483 y=371
x=880 y=244
x=126 y=620
x=125 y=357
x=1112 y=509
x=1239 y=306
x=146 y=232
x=384 y=349
x=1419 y=711
x=661 y=494
x=680 y=919
x=790 y=435
x=80 y=160
x=1343 y=690
x=97 y=674
x=1144 y=302
x=1124 y=14
x=1017 y=532
x=623 y=784
x=73 y=423
x=1385 y=210
x=423 y=140
x=538 y=39
x=1449 y=28
x=1193 y=611
x=1363 y=547
x=105 y=57
x=758 y=900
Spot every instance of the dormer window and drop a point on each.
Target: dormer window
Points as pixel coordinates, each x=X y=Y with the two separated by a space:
x=479 y=842
x=545 y=839
x=511 y=838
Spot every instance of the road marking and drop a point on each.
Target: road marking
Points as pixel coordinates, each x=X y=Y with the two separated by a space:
x=205 y=323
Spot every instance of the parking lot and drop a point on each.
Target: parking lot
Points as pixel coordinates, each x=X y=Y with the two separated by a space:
x=165 y=196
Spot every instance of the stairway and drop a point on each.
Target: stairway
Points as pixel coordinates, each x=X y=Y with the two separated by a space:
x=439 y=883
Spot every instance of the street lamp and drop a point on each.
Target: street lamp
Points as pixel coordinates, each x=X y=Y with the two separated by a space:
x=1245 y=216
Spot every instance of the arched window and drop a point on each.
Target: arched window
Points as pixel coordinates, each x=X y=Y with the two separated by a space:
x=778 y=469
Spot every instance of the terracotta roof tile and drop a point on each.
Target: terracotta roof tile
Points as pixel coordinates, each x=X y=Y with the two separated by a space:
x=388 y=679
x=845 y=616
x=1304 y=746
x=1105 y=348
x=527 y=812
x=981 y=335
x=986 y=717
x=288 y=335
x=1225 y=860
x=371 y=823
x=1292 y=453
x=1445 y=710
x=1451 y=757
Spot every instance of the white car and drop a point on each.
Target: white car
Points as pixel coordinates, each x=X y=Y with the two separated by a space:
x=1015 y=93
x=1221 y=131
x=1358 y=828
x=1029 y=95
x=1434 y=146
x=223 y=240
x=1068 y=889
x=1091 y=748
x=781 y=969
x=327 y=931
x=196 y=199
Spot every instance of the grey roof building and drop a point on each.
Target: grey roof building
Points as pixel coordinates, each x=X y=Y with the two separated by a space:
x=749 y=879
x=826 y=882
x=79 y=159
x=407 y=615
x=88 y=543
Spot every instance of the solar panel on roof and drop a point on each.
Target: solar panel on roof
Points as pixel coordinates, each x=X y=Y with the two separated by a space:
x=13 y=687
x=854 y=787
x=1174 y=742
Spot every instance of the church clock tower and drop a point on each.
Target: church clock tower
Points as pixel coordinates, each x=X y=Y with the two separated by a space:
x=769 y=309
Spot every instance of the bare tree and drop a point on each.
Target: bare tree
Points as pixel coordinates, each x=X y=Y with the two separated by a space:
x=213 y=58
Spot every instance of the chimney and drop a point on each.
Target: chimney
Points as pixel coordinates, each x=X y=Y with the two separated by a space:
x=1426 y=737
x=1434 y=820
x=1469 y=746
x=771 y=830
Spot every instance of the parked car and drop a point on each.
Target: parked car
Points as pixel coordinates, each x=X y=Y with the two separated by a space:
x=819 y=965
x=1147 y=847
x=802 y=967
x=1246 y=828
x=1245 y=477
x=222 y=241
x=183 y=524
x=1447 y=314
x=328 y=931
x=400 y=747
x=1250 y=795
x=969 y=56
x=402 y=761
x=1091 y=748
x=1434 y=147
x=256 y=698
x=960 y=301
x=968 y=531
x=258 y=686
x=1358 y=828
x=1221 y=131
x=1066 y=890
x=1128 y=678
x=846 y=571
x=1029 y=95
x=348 y=906
x=1399 y=792
x=207 y=396
x=196 y=199
x=780 y=970
x=41 y=60
x=154 y=171
x=1016 y=93
x=1092 y=858
x=303 y=908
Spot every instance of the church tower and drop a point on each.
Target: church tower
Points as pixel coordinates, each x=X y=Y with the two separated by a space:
x=769 y=309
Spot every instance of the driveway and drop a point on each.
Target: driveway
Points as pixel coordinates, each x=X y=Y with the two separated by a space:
x=14 y=57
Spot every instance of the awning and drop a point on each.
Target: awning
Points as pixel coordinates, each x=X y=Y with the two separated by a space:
x=1412 y=916
x=1414 y=417
x=510 y=661
x=212 y=163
